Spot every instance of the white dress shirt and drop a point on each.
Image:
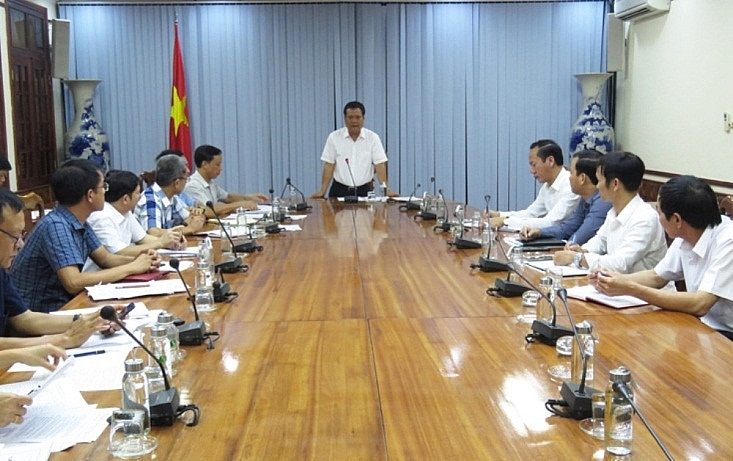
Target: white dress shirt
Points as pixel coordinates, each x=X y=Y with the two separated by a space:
x=203 y=191
x=705 y=267
x=628 y=242
x=115 y=230
x=554 y=203
x=363 y=154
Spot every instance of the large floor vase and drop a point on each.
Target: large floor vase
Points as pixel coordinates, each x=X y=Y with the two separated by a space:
x=85 y=138
x=592 y=130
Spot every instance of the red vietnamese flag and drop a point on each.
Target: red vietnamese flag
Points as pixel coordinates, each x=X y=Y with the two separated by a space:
x=180 y=130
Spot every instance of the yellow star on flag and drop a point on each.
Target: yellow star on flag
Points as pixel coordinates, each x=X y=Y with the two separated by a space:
x=178 y=110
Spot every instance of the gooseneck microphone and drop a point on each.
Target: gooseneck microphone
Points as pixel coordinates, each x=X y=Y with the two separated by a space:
x=576 y=395
x=486 y=264
x=410 y=205
x=444 y=223
x=300 y=206
x=190 y=334
x=459 y=242
x=248 y=246
x=351 y=198
x=163 y=404
x=623 y=390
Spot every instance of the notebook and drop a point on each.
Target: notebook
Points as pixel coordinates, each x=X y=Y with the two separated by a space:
x=589 y=293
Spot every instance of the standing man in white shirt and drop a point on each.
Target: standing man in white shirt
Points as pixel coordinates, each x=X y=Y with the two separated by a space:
x=631 y=239
x=700 y=254
x=555 y=201
x=357 y=148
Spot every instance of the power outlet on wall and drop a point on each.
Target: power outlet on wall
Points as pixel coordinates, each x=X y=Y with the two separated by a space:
x=727 y=122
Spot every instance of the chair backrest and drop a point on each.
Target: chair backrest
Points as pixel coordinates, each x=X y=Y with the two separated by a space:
x=33 y=208
x=148 y=177
x=726 y=206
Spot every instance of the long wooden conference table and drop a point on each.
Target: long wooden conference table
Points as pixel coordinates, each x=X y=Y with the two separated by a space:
x=365 y=337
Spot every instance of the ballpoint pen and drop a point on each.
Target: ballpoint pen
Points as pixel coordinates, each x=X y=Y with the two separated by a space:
x=84 y=354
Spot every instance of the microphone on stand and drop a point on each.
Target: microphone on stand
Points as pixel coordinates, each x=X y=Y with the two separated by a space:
x=459 y=242
x=190 y=334
x=300 y=206
x=248 y=246
x=425 y=214
x=432 y=182
x=506 y=288
x=621 y=388
x=444 y=222
x=576 y=395
x=486 y=264
x=163 y=404
x=410 y=205
x=351 y=198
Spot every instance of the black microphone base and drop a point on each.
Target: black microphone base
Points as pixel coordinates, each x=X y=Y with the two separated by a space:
x=426 y=216
x=248 y=246
x=579 y=403
x=546 y=333
x=509 y=289
x=221 y=292
x=192 y=333
x=351 y=199
x=493 y=265
x=465 y=244
x=163 y=407
x=443 y=225
x=300 y=206
x=273 y=228
x=412 y=206
x=231 y=266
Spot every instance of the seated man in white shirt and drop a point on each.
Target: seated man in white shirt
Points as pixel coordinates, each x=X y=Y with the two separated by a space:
x=631 y=239
x=700 y=254
x=555 y=201
x=202 y=188
x=117 y=228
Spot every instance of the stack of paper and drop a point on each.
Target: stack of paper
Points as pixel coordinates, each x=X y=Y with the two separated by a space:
x=589 y=293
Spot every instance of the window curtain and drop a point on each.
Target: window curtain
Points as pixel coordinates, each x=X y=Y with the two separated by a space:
x=457 y=92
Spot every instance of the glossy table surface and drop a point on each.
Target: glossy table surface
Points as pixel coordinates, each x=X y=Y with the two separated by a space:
x=365 y=337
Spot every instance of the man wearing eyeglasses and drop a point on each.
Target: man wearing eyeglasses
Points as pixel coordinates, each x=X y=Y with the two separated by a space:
x=47 y=270
x=159 y=206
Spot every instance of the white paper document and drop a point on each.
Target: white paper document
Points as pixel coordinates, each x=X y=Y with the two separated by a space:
x=589 y=293
x=188 y=252
x=134 y=290
x=567 y=271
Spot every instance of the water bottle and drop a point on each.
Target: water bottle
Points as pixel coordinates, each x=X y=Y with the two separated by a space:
x=158 y=340
x=293 y=197
x=241 y=221
x=619 y=433
x=173 y=353
x=383 y=190
x=584 y=330
x=276 y=210
x=544 y=308
x=135 y=393
x=204 y=294
x=476 y=226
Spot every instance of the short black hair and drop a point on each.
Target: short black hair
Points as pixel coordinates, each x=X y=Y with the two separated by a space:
x=73 y=179
x=355 y=105
x=121 y=183
x=9 y=200
x=205 y=153
x=169 y=152
x=693 y=199
x=588 y=163
x=547 y=148
x=624 y=166
x=168 y=168
x=5 y=164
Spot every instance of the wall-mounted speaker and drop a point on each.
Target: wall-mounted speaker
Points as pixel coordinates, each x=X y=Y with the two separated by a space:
x=60 y=47
x=614 y=44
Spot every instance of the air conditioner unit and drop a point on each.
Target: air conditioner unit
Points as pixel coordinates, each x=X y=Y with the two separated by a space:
x=632 y=10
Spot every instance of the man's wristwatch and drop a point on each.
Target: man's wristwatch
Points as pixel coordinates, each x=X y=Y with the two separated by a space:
x=76 y=317
x=576 y=260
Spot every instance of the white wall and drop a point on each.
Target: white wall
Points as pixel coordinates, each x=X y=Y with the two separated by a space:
x=677 y=85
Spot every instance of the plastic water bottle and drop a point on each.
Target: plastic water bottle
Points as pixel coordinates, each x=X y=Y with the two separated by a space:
x=544 y=308
x=135 y=392
x=158 y=340
x=276 y=210
x=165 y=320
x=476 y=226
x=204 y=293
x=241 y=221
x=584 y=331
x=293 y=197
x=619 y=430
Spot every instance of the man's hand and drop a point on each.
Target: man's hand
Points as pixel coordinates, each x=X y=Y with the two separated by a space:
x=195 y=222
x=171 y=238
x=529 y=233
x=610 y=283
x=261 y=198
x=47 y=356
x=496 y=222
x=563 y=257
x=319 y=194
x=146 y=261
x=12 y=408
x=391 y=193
x=82 y=329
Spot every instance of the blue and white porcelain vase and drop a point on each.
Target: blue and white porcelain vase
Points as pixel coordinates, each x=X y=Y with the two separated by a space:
x=85 y=138
x=592 y=130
